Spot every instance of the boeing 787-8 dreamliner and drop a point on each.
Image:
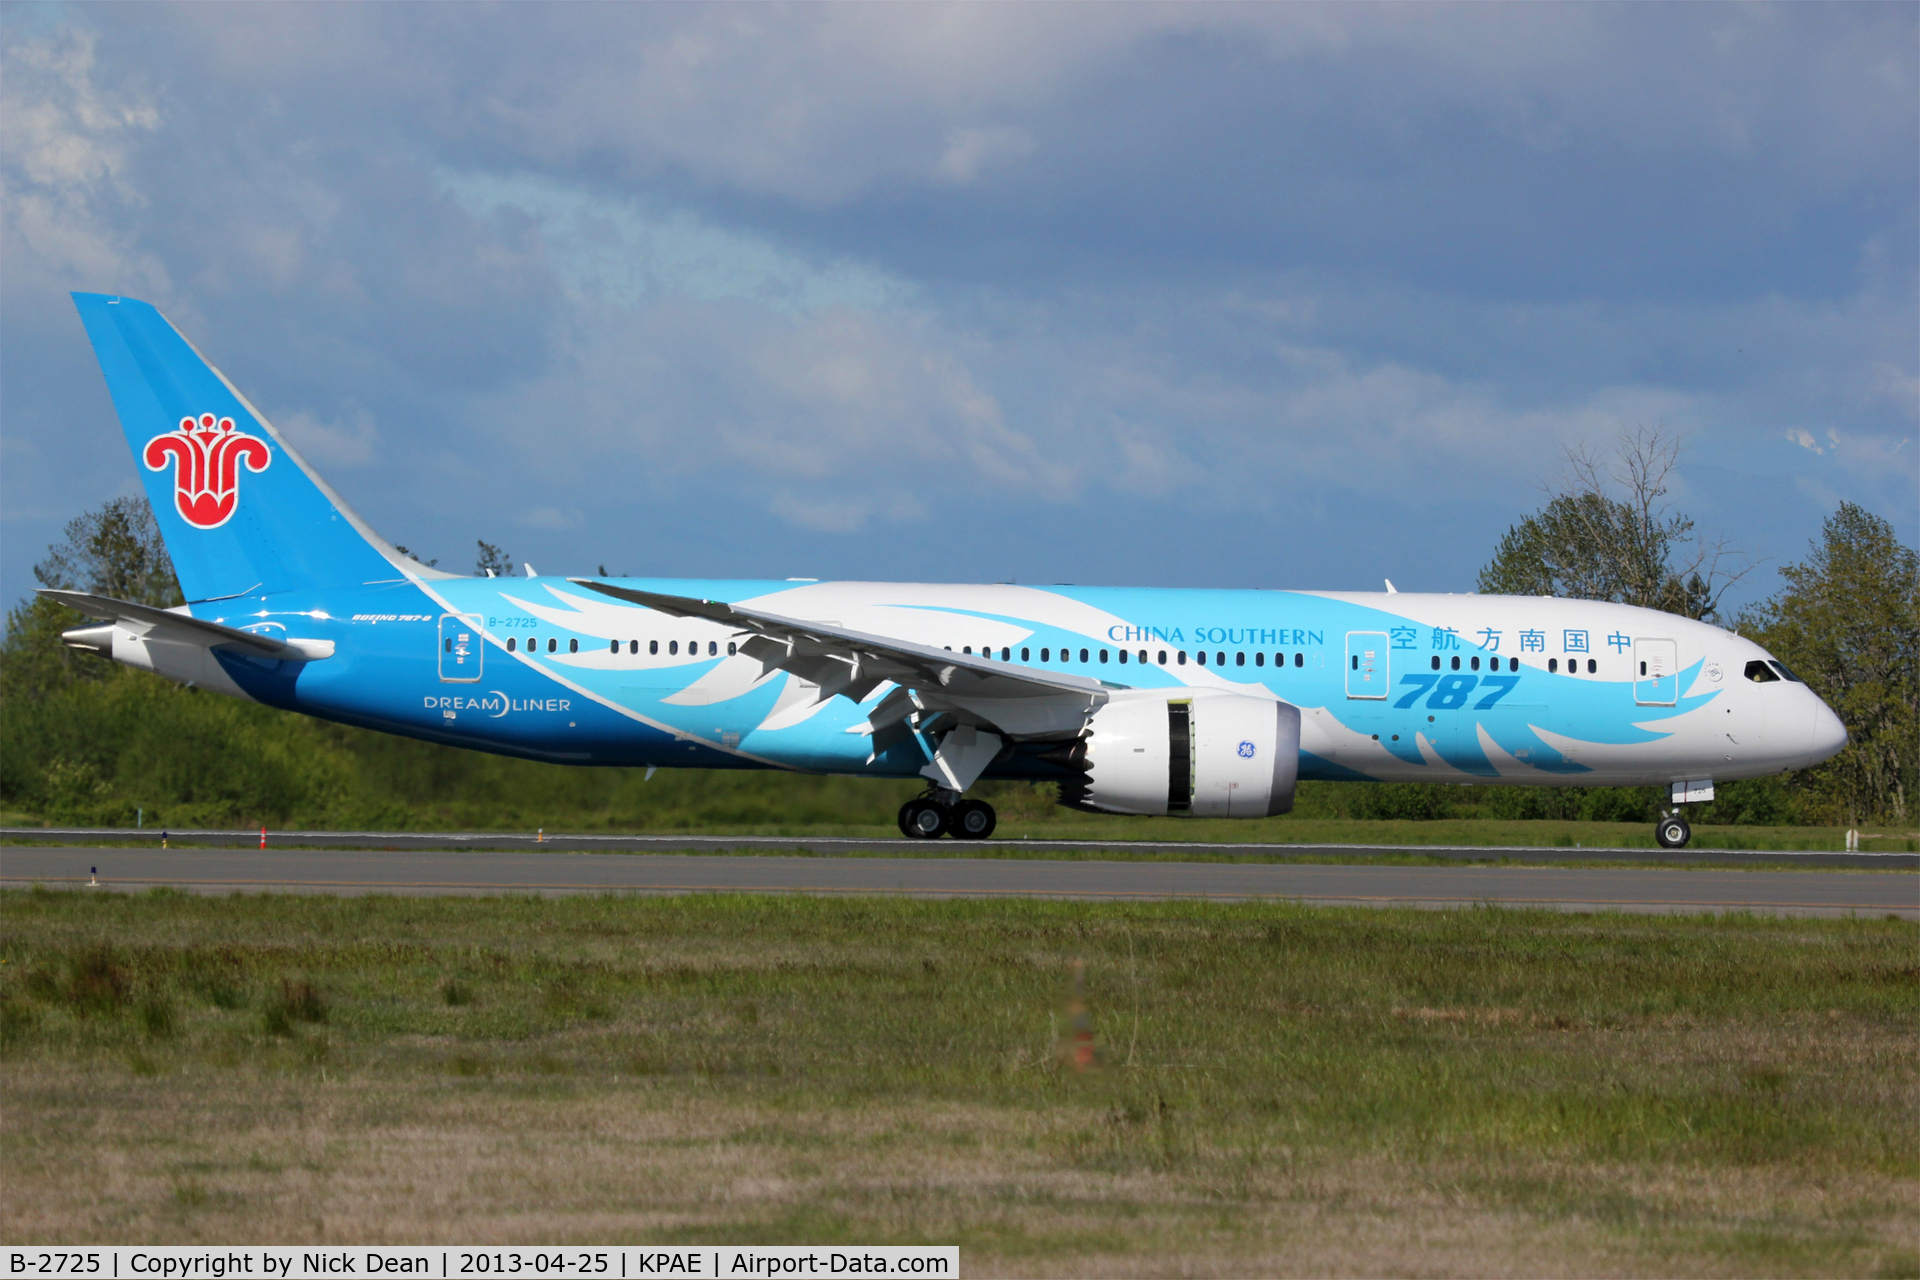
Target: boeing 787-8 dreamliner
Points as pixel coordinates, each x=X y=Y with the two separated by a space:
x=1133 y=700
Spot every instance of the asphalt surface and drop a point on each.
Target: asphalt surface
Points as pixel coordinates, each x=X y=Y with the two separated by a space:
x=420 y=871
x=391 y=841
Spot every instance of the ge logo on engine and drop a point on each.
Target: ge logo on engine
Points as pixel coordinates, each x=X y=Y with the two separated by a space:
x=1246 y=751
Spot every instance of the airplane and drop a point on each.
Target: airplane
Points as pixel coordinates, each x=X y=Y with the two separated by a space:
x=1143 y=701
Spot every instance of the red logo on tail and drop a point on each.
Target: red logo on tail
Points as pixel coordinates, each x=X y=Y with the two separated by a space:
x=206 y=467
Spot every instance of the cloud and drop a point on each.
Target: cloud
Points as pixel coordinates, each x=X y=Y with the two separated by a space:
x=969 y=151
x=1137 y=285
x=65 y=165
x=547 y=518
x=349 y=441
x=1804 y=438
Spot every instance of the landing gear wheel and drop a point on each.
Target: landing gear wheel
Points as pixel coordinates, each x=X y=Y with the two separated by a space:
x=1673 y=832
x=906 y=819
x=972 y=820
x=924 y=820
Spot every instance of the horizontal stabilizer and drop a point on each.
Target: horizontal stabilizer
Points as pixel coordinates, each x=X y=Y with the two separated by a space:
x=182 y=627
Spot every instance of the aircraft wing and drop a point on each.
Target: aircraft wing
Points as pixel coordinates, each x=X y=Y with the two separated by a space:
x=970 y=691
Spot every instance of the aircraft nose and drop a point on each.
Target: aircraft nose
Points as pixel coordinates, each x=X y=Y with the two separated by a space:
x=1829 y=735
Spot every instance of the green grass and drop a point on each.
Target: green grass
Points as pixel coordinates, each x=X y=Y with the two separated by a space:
x=1277 y=1088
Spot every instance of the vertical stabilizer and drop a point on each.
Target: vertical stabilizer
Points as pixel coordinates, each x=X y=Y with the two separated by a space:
x=241 y=512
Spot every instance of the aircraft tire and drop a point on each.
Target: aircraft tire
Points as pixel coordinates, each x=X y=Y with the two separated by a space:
x=925 y=820
x=972 y=820
x=906 y=813
x=1673 y=832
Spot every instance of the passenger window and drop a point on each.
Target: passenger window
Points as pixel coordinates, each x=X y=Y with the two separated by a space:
x=552 y=645
x=1474 y=663
x=1456 y=662
x=1026 y=655
x=1299 y=659
x=449 y=644
x=1593 y=666
x=1781 y=667
x=673 y=647
x=1163 y=657
x=510 y=644
x=1239 y=659
x=1103 y=655
x=1436 y=662
x=633 y=647
x=733 y=647
x=1513 y=664
x=573 y=645
x=1219 y=659
x=1183 y=659
x=1259 y=659
x=613 y=646
x=1143 y=657
x=1200 y=656
x=653 y=646
x=1046 y=655
x=713 y=648
x=1123 y=657
x=1083 y=655
x=1760 y=673
x=966 y=648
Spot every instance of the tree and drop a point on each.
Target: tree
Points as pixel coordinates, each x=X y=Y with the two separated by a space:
x=493 y=562
x=114 y=550
x=1848 y=622
x=1589 y=544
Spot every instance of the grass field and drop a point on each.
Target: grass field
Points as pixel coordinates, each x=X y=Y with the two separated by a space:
x=1276 y=1089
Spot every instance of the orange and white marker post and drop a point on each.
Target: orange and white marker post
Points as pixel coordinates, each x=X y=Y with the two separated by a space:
x=263 y=837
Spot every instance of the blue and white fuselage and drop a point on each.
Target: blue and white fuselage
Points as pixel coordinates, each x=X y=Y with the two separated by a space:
x=1105 y=690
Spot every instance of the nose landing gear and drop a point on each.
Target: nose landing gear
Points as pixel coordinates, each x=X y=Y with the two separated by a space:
x=941 y=812
x=1673 y=832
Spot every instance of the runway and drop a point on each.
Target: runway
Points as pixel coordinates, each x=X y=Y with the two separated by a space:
x=428 y=872
x=853 y=846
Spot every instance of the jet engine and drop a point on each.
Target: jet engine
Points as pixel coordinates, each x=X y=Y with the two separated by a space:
x=1193 y=751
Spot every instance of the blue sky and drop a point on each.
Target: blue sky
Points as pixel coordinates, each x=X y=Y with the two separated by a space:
x=1259 y=296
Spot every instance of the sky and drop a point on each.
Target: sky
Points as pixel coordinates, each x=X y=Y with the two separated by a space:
x=1267 y=296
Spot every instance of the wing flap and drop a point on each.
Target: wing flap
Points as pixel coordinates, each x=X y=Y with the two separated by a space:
x=790 y=642
x=836 y=660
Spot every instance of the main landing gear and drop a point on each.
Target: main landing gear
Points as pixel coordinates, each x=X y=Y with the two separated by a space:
x=1673 y=832
x=943 y=813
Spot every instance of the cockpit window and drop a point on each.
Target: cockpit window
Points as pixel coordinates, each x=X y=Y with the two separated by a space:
x=1760 y=673
x=1782 y=668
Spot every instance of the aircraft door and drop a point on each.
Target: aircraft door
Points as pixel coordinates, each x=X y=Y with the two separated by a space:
x=1656 y=673
x=1367 y=674
x=462 y=651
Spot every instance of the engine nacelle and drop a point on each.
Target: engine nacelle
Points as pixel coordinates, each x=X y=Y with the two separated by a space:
x=1195 y=751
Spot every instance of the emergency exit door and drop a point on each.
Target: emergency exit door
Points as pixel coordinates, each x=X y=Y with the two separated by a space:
x=462 y=651
x=1367 y=675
